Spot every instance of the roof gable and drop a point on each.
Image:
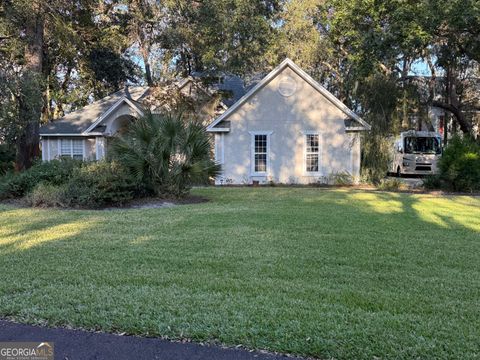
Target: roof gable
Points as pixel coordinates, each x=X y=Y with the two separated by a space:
x=80 y=121
x=362 y=125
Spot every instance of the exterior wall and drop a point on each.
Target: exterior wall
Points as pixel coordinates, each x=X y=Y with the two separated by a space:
x=118 y=118
x=100 y=147
x=90 y=149
x=288 y=118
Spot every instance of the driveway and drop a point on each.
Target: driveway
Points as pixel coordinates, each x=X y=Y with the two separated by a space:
x=80 y=345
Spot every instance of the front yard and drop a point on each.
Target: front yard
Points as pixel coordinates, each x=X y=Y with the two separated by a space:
x=325 y=273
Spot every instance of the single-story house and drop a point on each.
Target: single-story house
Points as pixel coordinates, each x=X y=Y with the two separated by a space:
x=286 y=129
x=83 y=134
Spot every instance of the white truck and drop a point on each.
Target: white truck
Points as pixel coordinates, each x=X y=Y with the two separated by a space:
x=416 y=153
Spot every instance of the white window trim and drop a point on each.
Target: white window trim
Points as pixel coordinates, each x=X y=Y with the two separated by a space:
x=97 y=146
x=59 y=145
x=44 y=150
x=320 y=152
x=220 y=148
x=353 y=153
x=252 y=152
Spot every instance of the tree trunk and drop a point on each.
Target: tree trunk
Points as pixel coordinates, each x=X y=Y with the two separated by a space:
x=465 y=126
x=453 y=104
x=148 y=72
x=30 y=103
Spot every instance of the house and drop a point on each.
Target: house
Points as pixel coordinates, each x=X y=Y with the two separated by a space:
x=287 y=129
x=84 y=134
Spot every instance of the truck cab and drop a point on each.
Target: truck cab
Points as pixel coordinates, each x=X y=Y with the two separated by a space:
x=416 y=153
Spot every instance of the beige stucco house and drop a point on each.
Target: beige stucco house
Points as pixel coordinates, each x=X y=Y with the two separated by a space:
x=287 y=129
x=84 y=133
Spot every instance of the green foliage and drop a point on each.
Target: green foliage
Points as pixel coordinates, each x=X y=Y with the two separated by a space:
x=55 y=172
x=390 y=185
x=99 y=184
x=91 y=185
x=432 y=182
x=166 y=153
x=47 y=195
x=460 y=165
x=110 y=68
x=341 y=179
x=376 y=153
x=7 y=158
x=194 y=42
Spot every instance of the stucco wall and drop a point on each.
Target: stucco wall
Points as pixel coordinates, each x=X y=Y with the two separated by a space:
x=118 y=118
x=288 y=118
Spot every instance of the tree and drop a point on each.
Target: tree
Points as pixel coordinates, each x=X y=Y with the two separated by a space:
x=147 y=20
x=455 y=49
x=219 y=35
x=167 y=153
x=53 y=47
x=29 y=17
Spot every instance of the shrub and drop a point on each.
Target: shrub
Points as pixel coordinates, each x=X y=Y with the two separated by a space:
x=432 y=182
x=390 y=185
x=460 y=165
x=7 y=159
x=55 y=172
x=341 y=179
x=47 y=195
x=99 y=184
x=166 y=153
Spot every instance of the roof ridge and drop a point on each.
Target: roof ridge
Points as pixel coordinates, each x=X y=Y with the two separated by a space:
x=306 y=77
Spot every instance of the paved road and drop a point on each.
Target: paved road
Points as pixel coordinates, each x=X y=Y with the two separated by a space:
x=82 y=345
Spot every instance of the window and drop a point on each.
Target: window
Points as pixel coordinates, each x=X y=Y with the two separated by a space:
x=422 y=145
x=312 y=153
x=261 y=147
x=71 y=148
x=77 y=149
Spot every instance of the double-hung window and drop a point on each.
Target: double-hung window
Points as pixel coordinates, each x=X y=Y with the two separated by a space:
x=312 y=153
x=71 y=148
x=260 y=150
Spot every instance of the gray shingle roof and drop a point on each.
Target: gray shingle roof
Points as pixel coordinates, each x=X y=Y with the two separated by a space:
x=78 y=121
x=232 y=86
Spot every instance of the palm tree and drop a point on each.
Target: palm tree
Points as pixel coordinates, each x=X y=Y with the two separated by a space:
x=167 y=153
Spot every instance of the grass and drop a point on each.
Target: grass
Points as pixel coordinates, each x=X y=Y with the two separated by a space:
x=326 y=273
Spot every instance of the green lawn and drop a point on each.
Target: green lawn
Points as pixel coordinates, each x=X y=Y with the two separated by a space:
x=326 y=273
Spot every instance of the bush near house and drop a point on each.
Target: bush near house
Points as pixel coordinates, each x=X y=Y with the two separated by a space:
x=91 y=185
x=99 y=184
x=390 y=185
x=56 y=172
x=459 y=167
x=167 y=153
x=161 y=155
x=71 y=183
